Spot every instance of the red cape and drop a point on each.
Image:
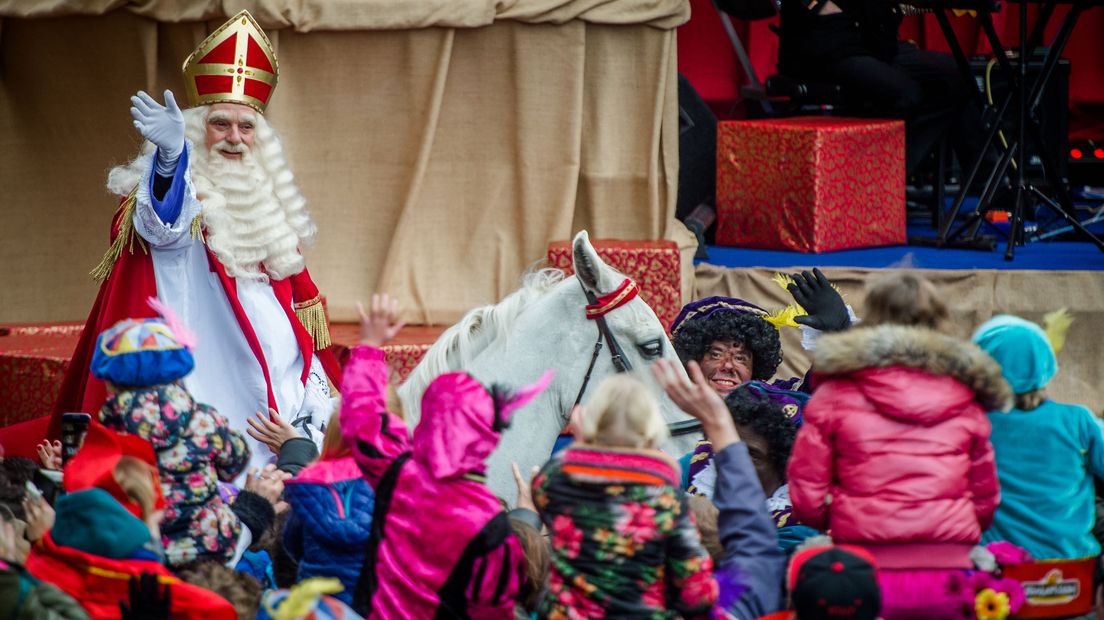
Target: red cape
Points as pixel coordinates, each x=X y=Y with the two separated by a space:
x=123 y=295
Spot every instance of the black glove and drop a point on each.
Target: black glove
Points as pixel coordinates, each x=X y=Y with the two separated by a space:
x=148 y=601
x=825 y=307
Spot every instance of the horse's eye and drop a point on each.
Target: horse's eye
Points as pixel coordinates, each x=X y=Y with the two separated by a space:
x=651 y=349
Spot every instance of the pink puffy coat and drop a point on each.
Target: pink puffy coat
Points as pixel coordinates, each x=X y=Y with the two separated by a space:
x=894 y=454
x=441 y=545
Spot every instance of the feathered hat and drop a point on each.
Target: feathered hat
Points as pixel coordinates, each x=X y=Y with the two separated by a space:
x=144 y=352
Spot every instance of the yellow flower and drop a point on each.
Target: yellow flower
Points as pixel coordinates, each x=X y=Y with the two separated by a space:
x=991 y=605
x=615 y=490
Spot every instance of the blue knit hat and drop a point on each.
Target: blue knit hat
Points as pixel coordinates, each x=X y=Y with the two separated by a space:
x=1021 y=348
x=140 y=353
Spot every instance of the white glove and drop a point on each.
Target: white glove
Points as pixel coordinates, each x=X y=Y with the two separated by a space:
x=162 y=125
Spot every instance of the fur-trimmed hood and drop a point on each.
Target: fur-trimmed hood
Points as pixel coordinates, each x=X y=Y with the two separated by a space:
x=887 y=346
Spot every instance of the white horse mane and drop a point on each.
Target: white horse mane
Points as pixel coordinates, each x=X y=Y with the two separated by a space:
x=459 y=344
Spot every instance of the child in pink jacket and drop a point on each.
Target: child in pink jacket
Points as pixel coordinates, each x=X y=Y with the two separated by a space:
x=441 y=544
x=894 y=455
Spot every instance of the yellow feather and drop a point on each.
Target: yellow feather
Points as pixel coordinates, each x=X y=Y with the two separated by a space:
x=303 y=597
x=1056 y=324
x=785 y=317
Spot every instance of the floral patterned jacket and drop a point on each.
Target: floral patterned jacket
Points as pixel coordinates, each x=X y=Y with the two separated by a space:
x=195 y=450
x=624 y=543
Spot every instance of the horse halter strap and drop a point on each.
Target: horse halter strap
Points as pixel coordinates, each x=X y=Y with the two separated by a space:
x=596 y=310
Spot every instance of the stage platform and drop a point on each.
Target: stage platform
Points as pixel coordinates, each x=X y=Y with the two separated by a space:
x=34 y=358
x=1034 y=256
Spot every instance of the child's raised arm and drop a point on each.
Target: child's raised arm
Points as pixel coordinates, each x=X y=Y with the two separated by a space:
x=376 y=437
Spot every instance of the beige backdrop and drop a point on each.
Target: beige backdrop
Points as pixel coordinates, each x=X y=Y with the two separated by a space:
x=441 y=143
x=973 y=296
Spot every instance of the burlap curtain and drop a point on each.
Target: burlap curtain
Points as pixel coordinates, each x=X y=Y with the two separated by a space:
x=441 y=144
x=973 y=296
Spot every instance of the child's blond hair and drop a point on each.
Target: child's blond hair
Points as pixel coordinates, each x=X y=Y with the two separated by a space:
x=623 y=413
x=333 y=444
x=137 y=478
x=904 y=298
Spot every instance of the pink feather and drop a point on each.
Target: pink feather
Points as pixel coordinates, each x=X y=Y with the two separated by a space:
x=184 y=336
x=524 y=395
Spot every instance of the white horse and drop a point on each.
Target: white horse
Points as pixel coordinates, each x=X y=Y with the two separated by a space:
x=544 y=325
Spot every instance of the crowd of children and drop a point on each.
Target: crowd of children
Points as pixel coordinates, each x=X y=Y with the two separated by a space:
x=867 y=493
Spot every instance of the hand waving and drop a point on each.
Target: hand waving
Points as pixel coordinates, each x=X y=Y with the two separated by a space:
x=698 y=399
x=162 y=125
x=380 y=324
x=825 y=307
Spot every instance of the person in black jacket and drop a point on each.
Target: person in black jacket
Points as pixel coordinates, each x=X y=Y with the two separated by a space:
x=854 y=43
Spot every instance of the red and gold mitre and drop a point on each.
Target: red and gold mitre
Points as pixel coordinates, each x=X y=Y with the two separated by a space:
x=235 y=64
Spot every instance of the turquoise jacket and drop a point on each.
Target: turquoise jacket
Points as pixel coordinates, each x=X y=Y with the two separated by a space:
x=1046 y=460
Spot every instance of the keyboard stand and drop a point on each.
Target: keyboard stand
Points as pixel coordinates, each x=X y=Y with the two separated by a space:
x=1028 y=128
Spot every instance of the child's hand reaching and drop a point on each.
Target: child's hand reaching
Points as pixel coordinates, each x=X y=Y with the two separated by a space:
x=271 y=429
x=524 y=487
x=50 y=454
x=380 y=324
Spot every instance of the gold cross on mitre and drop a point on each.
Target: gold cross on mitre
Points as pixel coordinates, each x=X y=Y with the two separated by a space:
x=235 y=64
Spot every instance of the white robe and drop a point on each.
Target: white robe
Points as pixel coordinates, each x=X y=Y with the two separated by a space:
x=227 y=375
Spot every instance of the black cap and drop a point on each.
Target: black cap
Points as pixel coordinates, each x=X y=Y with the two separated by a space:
x=834 y=582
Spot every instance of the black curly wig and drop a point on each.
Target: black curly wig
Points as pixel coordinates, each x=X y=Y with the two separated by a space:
x=766 y=419
x=760 y=337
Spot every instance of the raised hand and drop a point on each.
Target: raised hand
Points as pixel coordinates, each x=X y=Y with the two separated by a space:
x=826 y=310
x=38 y=514
x=49 y=453
x=162 y=125
x=699 y=399
x=524 y=487
x=148 y=600
x=380 y=324
x=271 y=429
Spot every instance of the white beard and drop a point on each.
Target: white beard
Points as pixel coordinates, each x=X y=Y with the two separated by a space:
x=246 y=226
x=256 y=220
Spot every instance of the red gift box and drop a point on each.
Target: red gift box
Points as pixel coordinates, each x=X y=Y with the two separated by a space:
x=810 y=184
x=653 y=265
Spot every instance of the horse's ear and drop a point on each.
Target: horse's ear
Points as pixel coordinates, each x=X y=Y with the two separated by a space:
x=595 y=275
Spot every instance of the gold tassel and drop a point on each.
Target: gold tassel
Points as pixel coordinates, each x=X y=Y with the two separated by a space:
x=125 y=238
x=197 y=228
x=313 y=317
x=1056 y=324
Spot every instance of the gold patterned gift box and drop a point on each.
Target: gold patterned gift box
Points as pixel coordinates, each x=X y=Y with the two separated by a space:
x=810 y=184
x=653 y=265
